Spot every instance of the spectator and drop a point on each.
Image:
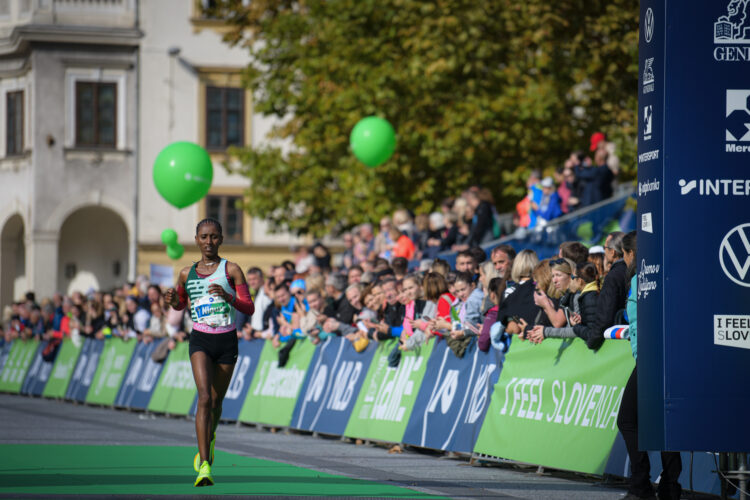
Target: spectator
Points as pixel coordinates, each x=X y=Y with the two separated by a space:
x=383 y=244
x=518 y=311
x=400 y=266
x=596 y=180
x=479 y=256
x=465 y=262
x=95 y=321
x=486 y=273
x=322 y=258
x=526 y=214
x=585 y=299
x=157 y=326
x=354 y=275
x=436 y=290
x=548 y=207
x=482 y=220
x=502 y=258
x=338 y=307
x=575 y=251
x=611 y=298
x=495 y=291
x=441 y=267
x=403 y=246
x=558 y=311
x=612 y=248
x=305 y=322
x=417 y=313
x=596 y=257
x=435 y=235
x=627 y=419
x=136 y=319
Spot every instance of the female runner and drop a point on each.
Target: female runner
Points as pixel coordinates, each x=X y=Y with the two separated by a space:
x=215 y=288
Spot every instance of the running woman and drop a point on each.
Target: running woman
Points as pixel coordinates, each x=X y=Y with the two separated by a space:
x=214 y=287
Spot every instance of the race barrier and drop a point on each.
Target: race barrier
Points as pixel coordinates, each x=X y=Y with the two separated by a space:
x=553 y=404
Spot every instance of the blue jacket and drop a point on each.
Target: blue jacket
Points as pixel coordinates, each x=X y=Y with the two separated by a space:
x=549 y=207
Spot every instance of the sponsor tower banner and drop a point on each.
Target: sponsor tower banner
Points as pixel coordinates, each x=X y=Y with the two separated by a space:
x=388 y=394
x=62 y=372
x=333 y=381
x=694 y=240
x=112 y=367
x=453 y=399
x=556 y=404
x=17 y=364
x=273 y=391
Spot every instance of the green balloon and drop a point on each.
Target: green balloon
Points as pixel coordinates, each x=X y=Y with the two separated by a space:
x=169 y=237
x=183 y=173
x=373 y=140
x=175 y=251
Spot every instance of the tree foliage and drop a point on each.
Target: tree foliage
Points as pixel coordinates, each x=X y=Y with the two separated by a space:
x=479 y=92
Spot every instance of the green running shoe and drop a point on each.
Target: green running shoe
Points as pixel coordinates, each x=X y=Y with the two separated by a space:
x=204 y=475
x=197 y=457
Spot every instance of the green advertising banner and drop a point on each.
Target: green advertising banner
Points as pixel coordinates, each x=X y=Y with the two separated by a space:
x=175 y=391
x=113 y=363
x=273 y=392
x=65 y=363
x=19 y=359
x=556 y=404
x=388 y=394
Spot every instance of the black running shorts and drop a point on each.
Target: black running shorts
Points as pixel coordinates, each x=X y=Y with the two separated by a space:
x=220 y=347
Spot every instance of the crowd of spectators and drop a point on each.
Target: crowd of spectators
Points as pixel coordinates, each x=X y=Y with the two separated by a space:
x=369 y=298
x=368 y=293
x=580 y=182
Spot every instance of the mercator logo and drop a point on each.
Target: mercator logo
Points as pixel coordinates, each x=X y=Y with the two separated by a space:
x=734 y=255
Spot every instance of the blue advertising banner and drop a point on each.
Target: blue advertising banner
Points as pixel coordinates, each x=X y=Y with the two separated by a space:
x=4 y=352
x=244 y=370
x=453 y=399
x=38 y=374
x=142 y=382
x=133 y=374
x=333 y=381
x=83 y=375
x=693 y=184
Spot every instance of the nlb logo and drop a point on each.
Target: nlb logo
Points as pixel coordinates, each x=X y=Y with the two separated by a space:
x=732 y=32
x=734 y=255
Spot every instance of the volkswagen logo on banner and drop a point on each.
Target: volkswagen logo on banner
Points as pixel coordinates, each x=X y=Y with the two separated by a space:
x=734 y=254
x=649 y=25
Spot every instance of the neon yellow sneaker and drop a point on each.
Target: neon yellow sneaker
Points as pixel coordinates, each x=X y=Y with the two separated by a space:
x=204 y=475
x=197 y=457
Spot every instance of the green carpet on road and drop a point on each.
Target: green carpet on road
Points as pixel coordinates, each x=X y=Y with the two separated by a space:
x=166 y=470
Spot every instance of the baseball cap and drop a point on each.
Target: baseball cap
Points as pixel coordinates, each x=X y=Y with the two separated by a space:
x=596 y=138
x=596 y=249
x=547 y=182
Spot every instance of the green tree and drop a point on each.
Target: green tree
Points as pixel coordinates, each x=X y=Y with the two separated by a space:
x=478 y=91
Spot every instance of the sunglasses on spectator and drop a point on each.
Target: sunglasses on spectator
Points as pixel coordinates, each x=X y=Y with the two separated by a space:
x=557 y=262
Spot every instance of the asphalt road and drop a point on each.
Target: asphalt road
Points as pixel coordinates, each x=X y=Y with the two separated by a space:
x=25 y=420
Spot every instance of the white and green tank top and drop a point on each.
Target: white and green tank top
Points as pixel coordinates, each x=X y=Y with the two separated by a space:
x=210 y=314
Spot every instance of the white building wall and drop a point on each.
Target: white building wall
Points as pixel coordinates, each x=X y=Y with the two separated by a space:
x=170 y=103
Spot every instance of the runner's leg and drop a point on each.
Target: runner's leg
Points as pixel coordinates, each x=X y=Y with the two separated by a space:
x=203 y=370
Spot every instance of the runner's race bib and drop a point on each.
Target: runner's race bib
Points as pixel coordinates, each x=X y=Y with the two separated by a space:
x=213 y=311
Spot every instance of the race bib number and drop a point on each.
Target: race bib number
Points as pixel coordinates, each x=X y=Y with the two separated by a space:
x=213 y=311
